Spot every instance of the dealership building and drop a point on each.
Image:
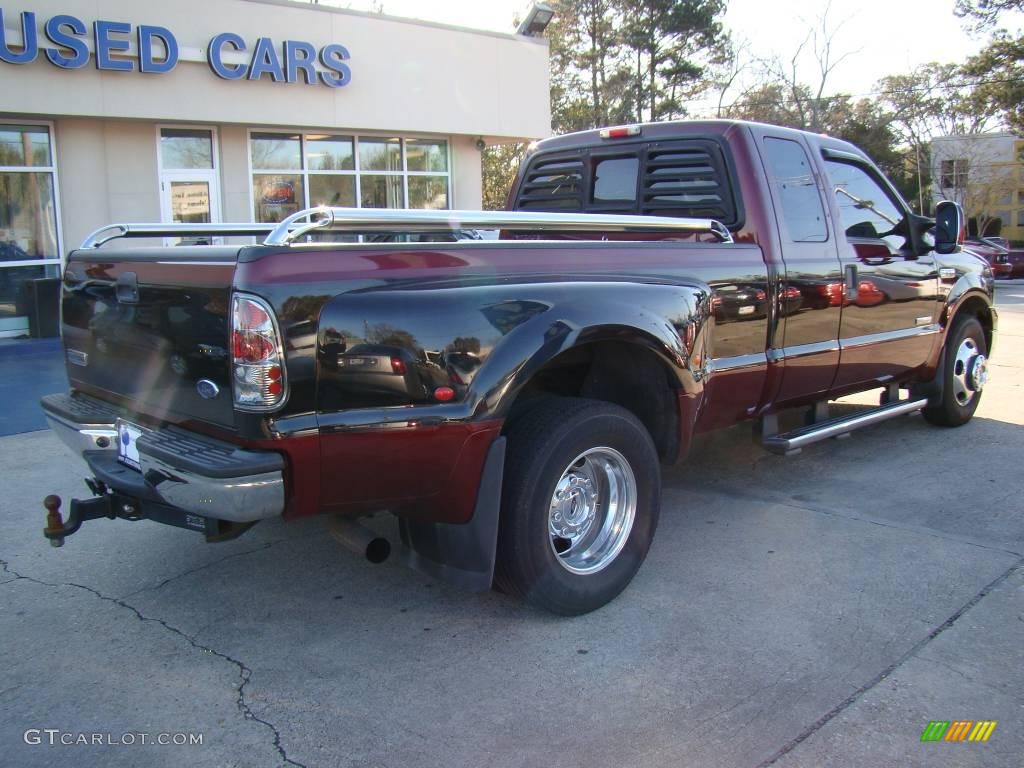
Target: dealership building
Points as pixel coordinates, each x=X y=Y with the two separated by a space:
x=238 y=110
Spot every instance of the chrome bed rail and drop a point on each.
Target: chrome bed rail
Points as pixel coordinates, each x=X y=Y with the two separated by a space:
x=115 y=231
x=365 y=220
x=312 y=220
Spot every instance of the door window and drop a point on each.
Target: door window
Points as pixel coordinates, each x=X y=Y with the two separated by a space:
x=797 y=191
x=865 y=208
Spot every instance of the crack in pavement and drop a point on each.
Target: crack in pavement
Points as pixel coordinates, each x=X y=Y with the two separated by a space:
x=914 y=651
x=169 y=579
x=244 y=672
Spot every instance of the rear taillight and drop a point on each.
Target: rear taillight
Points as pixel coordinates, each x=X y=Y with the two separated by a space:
x=257 y=359
x=398 y=366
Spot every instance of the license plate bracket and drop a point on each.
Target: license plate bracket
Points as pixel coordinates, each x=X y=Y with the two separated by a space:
x=128 y=435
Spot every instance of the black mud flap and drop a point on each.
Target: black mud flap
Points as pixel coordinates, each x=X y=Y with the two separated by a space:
x=933 y=389
x=461 y=555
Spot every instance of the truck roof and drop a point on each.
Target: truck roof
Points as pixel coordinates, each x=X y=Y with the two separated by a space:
x=672 y=128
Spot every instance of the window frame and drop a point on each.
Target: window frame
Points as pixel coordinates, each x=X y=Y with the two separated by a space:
x=214 y=146
x=61 y=257
x=958 y=174
x=305 y=172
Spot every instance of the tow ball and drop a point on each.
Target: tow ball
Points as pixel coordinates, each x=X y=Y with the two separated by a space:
x=57 y=530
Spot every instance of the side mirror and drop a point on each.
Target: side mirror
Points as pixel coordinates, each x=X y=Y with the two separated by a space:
x=950 y=227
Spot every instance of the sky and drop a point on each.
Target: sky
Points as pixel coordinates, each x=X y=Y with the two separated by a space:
x=883 y=37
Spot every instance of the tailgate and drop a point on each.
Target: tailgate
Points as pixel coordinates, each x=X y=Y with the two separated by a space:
x=144 y=326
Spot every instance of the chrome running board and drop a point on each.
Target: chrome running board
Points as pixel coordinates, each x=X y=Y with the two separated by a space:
x=790 y=443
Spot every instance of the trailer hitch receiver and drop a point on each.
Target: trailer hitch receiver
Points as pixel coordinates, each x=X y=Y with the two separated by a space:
x=57 y=530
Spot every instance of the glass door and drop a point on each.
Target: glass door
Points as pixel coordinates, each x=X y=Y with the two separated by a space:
x=29 y=238
x=189 y=185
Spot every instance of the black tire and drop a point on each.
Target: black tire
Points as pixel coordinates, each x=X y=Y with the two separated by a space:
x=541 y=444
x=949 y=411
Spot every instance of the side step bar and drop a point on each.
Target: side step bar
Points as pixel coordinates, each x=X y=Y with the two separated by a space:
x=789 y=443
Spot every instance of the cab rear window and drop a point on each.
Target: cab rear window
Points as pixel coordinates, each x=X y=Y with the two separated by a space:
x=685 y=177
x=615 y=180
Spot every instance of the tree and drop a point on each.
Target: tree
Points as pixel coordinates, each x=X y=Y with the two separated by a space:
x=588 y=51
x=617 y=61
x=931 y=101
x=986 y=12
x=789 y=92
x=499 y=166
x=671 y=43
x=768 y=103
x=999 y=68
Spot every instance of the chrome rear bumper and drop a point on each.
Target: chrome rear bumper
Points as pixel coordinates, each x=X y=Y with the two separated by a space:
x=186 y=470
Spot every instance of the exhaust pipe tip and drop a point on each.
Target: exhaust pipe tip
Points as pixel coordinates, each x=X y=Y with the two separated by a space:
x=359 y=539
x=378 y=550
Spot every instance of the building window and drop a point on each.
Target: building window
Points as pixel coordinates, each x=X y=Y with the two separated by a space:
x=29 y=234
x=953 y=174
x=291 y=171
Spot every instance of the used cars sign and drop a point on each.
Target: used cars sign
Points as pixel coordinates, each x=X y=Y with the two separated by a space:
x=156 y=51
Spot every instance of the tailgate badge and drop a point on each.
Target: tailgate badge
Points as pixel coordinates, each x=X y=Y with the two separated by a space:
x=207 y=389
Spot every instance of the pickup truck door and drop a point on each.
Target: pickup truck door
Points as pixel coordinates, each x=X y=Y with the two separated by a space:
x=809 y=301
x=890 y=309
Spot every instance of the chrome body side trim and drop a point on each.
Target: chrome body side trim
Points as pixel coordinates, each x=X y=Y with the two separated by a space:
x=898 y=335
x=721 y=364
x=803 y=350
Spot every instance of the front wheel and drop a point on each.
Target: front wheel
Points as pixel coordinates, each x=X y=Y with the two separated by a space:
x=581 y=502
x=964 y=374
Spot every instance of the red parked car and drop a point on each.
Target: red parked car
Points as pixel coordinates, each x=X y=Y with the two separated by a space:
x=996 y=255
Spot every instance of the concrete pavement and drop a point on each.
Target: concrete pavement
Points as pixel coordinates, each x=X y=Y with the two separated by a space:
x=810 y=611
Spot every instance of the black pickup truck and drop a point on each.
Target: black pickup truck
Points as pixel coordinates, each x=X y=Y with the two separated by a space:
x=511 y=400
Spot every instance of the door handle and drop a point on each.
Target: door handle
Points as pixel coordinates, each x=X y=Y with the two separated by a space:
x=850 y=281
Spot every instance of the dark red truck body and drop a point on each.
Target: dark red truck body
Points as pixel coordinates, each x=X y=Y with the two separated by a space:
x=688 y=333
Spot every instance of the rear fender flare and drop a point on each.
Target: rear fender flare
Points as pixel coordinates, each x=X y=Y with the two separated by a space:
x=680 y=340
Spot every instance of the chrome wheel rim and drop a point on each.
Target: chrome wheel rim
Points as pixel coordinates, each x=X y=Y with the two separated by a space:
x=592 y=510
x=970 y=371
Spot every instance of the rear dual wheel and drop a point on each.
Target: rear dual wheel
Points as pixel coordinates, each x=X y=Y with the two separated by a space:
x=582 y=493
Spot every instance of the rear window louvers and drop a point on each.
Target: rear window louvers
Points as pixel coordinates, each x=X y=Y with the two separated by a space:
x=552 y=184
x=688 y=179
x=677 y=177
